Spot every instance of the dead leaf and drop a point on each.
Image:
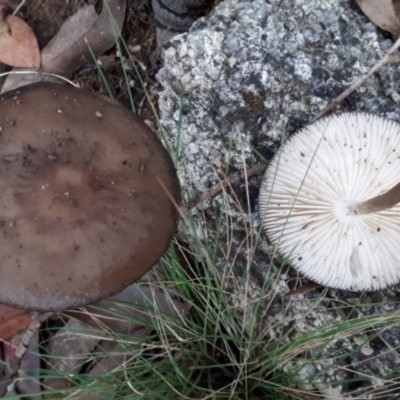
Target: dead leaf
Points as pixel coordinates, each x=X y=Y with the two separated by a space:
x=18 y=44
x=13 y=320
x=131 y=316
x=383 y=13
x=304 y=289
x=130 y=313
x=128 y=318
x=83 y=34
x=118 y=358
x=69 y=349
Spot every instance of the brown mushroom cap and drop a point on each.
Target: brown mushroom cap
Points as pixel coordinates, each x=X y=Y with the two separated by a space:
x=85 y=197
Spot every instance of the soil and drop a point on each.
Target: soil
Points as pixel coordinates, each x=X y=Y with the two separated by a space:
x=139 y=33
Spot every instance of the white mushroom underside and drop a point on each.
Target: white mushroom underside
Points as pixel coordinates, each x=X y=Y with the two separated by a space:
x=334 y=162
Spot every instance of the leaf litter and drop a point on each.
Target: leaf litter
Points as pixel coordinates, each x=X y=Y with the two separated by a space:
x=82 y=36
x=18 y=43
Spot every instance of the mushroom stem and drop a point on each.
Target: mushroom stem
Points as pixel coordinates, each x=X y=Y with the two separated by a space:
x=379 y=203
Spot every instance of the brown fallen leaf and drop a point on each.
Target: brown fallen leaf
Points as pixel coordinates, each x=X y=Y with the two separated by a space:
x=18 y=44
x=383 y=13
x=13 y=320
x=69 y=349
x=82 y=36
x=304 y=289
x=131 y=314
x=118 y=358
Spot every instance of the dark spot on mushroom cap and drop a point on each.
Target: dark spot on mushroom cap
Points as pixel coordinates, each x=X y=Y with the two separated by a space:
x=66 y=186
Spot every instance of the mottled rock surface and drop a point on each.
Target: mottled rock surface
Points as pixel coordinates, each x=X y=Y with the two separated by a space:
x=234 y=86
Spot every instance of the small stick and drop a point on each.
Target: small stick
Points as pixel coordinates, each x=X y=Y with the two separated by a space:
x=37 y=319
x=387 y=58
x=214 y=190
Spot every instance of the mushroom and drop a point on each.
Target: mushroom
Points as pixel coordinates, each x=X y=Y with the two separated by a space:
x=329 y=201
x=88 y=197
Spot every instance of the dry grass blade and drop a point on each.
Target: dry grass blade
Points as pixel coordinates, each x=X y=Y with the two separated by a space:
x=69 y=348
x=134 y=304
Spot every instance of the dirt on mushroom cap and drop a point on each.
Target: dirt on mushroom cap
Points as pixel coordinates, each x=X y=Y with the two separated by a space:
x=85 y=197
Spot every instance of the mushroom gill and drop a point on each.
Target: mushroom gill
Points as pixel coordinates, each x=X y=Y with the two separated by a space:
x=329 y=201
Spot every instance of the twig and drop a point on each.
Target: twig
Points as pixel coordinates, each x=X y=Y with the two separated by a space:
x=214 y=190
x=37 y=320
x=387 y=58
